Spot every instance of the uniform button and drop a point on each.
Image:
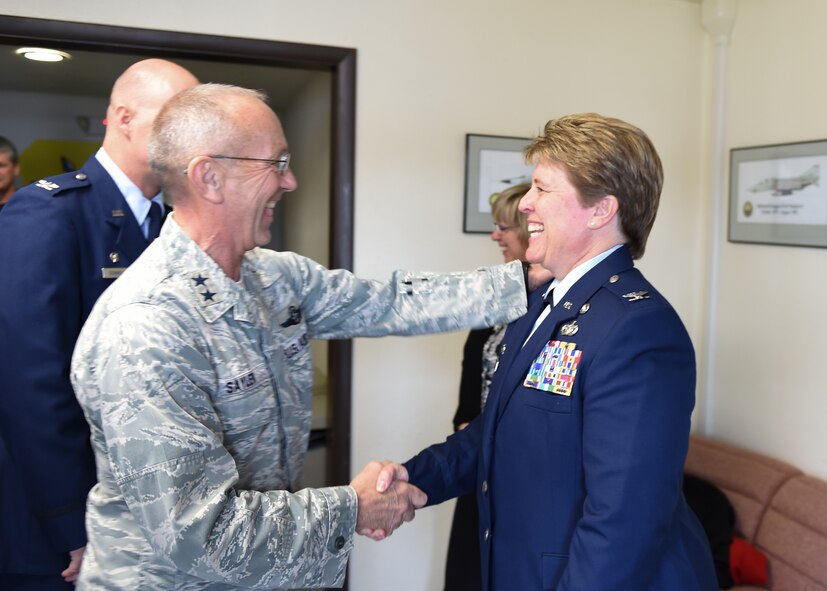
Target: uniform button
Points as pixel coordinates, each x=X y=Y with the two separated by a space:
x=486 y=534
x=484 y=486
x=80 y=176
x=340 y=543
x=614 y=279
x=114 y=257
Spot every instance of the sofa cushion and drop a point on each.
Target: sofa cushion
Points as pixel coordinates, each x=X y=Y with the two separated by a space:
x=793 y=534
x=748 y=479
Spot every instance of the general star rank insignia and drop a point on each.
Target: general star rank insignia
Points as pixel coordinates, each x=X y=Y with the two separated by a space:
x=554 y=369
x=201 y=286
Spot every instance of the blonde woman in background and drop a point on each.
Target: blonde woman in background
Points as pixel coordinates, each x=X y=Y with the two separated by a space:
x=462 y=569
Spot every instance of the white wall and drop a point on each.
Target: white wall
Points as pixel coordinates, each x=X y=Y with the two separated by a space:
x=428 y=73
x=770 y=386
x=26 y=117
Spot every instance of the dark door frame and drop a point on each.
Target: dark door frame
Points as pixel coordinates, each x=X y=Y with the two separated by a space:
x=341 y=62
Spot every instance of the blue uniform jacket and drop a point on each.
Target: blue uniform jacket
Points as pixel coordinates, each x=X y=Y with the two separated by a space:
x=579 y=481
x=63 y=240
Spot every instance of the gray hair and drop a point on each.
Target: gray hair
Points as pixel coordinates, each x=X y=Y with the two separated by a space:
x=199 y=121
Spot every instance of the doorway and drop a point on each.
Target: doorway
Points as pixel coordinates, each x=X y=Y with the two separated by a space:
x=256 y=64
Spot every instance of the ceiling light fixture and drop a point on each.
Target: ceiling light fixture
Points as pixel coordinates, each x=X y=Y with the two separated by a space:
x=41 y=54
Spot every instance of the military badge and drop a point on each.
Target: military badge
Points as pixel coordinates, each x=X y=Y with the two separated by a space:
x=294 y=317
x=636 y=296
x=554 y=369
x=569 y=330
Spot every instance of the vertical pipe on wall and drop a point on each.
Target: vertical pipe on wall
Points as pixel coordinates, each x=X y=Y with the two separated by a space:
x=718 y=18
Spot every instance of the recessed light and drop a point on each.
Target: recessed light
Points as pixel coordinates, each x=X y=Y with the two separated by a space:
x=41 y=54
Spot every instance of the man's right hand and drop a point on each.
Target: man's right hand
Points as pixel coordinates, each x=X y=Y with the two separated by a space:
x=385 y=499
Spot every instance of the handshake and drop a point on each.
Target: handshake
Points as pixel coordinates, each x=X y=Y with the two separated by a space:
x=386 y=499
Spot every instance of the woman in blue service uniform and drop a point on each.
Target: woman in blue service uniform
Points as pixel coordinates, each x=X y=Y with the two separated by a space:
x=577 y=460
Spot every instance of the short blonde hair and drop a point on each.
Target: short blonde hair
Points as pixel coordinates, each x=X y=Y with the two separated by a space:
x=505 y=207
x=604 y=156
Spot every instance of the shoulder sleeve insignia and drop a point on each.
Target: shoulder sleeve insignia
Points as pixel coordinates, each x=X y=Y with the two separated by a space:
x=635 y=296
x=48 y=185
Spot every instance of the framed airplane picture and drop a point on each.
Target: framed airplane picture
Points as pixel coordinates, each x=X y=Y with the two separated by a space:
x=493 y=163
x=778 y=194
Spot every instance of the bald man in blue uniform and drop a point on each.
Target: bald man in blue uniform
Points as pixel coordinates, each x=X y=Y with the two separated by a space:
x=63 y=241
x=577 y=461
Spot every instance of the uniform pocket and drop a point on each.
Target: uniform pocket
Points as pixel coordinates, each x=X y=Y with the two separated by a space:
x=546 y=401
x=553 y=567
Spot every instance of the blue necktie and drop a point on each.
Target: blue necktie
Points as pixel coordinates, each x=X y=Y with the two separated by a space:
x=154 y=222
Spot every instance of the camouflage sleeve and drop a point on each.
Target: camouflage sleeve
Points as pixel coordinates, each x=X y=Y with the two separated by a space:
x=339 y=305
x=180 y=482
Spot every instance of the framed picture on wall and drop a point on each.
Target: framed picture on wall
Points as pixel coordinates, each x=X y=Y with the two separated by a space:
x=492 y=163
x=778 y=194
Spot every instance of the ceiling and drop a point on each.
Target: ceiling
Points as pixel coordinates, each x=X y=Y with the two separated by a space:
x=92 y=74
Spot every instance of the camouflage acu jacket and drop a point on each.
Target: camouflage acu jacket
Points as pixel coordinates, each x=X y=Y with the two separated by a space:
x=197 y=390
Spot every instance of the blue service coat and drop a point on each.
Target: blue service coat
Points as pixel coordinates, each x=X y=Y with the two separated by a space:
x=578 y=476
x=63 y=240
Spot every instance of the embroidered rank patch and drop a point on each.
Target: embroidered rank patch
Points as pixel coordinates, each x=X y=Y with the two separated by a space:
x=554 y=369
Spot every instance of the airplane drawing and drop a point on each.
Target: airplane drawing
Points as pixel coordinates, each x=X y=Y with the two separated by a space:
x=786 y=186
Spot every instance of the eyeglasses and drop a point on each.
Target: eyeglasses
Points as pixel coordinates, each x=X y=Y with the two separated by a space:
x=281 y=164
x=501 y=228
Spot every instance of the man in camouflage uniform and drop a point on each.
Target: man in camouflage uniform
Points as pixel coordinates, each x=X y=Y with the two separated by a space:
x=195 y=376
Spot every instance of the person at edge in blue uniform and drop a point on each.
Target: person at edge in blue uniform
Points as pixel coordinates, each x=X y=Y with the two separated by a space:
x=64 y=240
x=577 y=460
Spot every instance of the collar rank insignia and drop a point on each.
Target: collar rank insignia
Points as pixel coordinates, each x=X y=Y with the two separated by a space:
x=202 y=288
x=294 y=317
x=569 y=330
x=635 y=296
x=48 y=185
